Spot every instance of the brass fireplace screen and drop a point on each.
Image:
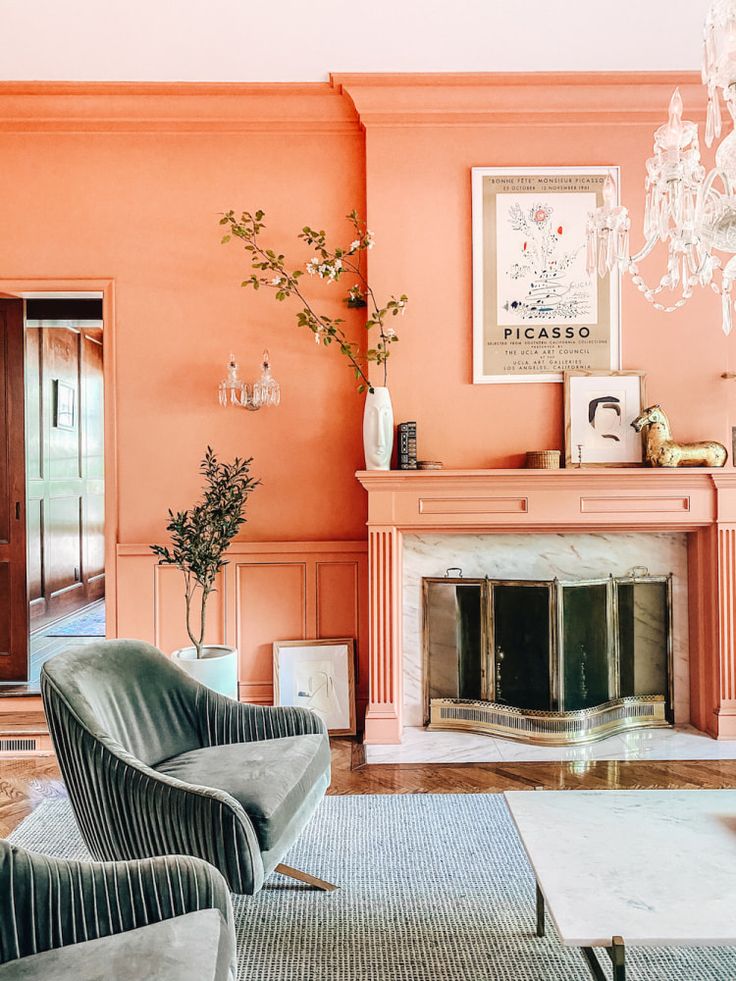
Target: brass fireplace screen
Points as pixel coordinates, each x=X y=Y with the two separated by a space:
x=548 y=661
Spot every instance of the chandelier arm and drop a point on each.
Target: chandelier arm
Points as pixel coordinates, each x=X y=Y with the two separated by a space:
x=644 y=251
x=711 y=179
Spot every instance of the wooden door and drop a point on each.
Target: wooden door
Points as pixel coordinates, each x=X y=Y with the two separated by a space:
x=13 y=593
x=65 y=470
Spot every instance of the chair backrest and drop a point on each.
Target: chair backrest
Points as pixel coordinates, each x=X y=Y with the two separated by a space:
x=129 y=691
x=47 y=903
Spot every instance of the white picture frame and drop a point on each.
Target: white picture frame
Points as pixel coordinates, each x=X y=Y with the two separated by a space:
x=599 y=409
x=496 y=244
x=318 y=675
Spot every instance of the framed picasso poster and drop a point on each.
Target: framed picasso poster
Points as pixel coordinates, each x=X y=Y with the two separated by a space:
x=536 y=311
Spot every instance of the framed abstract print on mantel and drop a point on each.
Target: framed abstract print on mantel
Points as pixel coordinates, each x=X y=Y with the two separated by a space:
x=599 y=409
x=536 y=311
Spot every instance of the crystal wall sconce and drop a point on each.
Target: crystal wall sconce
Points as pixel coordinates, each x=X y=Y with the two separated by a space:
x=263 y=392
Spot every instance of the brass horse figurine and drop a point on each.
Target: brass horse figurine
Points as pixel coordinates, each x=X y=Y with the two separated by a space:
x=662 y=451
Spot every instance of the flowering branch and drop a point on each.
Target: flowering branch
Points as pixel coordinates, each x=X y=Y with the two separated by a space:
x=269 y=270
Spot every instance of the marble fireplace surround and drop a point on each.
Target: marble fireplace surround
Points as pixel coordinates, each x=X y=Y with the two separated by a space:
x=408 y=508
x=539 y=556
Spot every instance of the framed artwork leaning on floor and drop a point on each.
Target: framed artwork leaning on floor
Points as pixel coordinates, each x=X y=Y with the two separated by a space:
x=318 y=675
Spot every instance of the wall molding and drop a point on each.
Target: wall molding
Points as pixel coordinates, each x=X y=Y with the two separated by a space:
x=268 y=591
x=347 y=102
x=135 y=107
x=508 y=98
x=263 y=548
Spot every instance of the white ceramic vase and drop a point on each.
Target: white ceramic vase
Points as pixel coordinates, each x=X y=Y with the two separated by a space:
x=217 y=668
x=378 y=429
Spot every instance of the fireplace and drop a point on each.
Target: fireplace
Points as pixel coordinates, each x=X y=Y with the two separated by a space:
x=697 y=504
x=548 y=661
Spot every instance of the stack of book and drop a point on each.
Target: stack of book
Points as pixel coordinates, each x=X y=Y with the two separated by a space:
x=407 y=446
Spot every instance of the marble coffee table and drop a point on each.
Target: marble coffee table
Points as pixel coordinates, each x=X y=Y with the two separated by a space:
x=650 y=868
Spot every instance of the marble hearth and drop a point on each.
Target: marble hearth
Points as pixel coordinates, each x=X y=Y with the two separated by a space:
x=538 y=524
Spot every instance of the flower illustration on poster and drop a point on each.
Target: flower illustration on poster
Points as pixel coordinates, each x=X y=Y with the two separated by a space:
x=541 y=261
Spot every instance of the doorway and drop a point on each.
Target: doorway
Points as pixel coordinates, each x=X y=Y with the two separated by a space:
x=65 y=473
x=58 y=501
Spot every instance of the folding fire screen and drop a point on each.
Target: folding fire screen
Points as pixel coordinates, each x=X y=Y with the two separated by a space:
x=548 y=661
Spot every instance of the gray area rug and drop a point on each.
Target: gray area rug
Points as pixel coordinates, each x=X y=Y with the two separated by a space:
x=433 y=888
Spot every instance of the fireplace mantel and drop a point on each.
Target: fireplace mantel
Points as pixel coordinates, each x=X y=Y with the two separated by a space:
x=699 y=501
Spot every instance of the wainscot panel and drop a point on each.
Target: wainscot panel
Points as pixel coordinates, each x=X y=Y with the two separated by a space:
x=268 y=591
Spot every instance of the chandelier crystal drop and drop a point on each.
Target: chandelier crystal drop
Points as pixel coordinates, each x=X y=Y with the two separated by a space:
x=690 y=211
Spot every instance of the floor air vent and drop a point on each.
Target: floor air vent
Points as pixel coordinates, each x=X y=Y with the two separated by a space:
x=25 y=744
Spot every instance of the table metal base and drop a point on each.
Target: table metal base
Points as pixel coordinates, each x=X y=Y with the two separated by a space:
x=616 y=952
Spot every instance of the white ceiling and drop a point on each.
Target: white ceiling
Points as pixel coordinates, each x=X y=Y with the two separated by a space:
x=303 y=40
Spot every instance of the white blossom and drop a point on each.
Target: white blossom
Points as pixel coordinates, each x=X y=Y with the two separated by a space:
x=276 y=281
x=329 y=270
x=355 y=245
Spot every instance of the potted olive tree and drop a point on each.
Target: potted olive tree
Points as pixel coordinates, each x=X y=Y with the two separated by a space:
x=200 y=537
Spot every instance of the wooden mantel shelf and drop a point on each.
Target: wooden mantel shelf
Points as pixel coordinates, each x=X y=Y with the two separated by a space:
x=552 y=500
x=569 y=473
x=698 y=501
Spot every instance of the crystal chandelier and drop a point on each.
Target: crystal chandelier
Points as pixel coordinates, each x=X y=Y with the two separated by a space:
x=692 y=212
x=263 y=392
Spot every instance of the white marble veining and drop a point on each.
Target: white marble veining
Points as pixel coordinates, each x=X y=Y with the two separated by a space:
x=533 y=556
x=680 y=743
x=654 y=867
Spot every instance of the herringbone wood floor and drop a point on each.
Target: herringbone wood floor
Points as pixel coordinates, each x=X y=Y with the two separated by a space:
x=24 y=783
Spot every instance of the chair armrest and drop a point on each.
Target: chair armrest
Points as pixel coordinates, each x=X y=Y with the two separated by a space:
x=223 y=720
x=49 y=903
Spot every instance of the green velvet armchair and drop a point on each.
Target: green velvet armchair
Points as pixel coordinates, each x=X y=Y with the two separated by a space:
x=157 y=764
x=162 y=919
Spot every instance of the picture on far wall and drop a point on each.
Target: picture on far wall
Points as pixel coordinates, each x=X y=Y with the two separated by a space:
x=318 y=675
x=64 y=405
x=536 y=311
x=599 y=409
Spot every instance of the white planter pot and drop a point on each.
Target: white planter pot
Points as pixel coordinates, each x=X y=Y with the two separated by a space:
x=217 y=668
x=378 y=429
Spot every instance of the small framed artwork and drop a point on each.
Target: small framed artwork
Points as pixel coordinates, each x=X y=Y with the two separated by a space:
x=536 y=311
x=318 y=675
x=64 y=405
x=599 y=409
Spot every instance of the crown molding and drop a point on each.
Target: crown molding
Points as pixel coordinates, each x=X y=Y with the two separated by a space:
x=348 y=101
x=532 y=98
x=148 y=107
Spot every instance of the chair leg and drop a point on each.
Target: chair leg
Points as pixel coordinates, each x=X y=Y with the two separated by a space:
x=310 y=880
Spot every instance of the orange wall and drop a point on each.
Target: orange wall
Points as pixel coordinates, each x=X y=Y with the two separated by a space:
x=136 y=198
x=125 y=183
x=423 y=134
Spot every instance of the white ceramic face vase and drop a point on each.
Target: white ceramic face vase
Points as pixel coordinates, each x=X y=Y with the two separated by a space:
x=378 y=429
